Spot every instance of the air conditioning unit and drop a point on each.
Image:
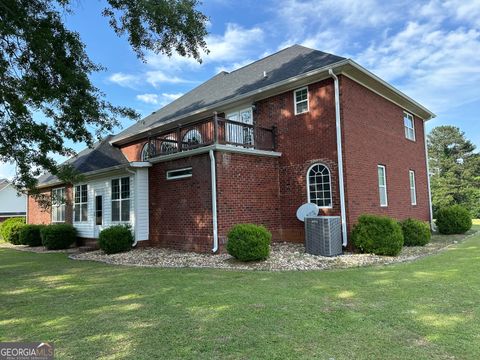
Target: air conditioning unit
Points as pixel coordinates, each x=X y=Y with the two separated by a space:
x=323 y=235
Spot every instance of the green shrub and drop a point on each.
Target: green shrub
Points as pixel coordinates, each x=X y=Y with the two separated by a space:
x=58 y=236
x=415 y=232
x=10 y=229
x=115 y=239
x=453 y=220
x=249 y=242
x=377 y=235
x=30 y=235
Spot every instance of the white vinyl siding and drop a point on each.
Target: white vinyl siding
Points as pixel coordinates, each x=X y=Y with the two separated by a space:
x=413 y=192
x=58 y=205
x=80 y=205
x=300 y=98
x=409 y=125
x=139 y=208
x=382 y=185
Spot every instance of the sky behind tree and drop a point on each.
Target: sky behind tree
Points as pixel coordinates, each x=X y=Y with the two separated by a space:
x=427 y=49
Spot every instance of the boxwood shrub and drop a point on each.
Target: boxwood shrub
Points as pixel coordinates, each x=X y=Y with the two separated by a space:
x=415 y=232
x=30 y=235
x=10 y=229
x=379 y=235
x=115 y=239
x=58 y=236
x=249 y=242
x=453 y=220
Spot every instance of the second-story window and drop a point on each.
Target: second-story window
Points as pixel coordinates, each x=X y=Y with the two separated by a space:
x=300 y=97
x=409 y=126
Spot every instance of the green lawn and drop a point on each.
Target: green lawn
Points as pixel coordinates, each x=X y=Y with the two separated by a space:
x=421 y=310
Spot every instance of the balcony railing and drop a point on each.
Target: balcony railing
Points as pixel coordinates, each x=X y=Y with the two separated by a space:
x=216 y=130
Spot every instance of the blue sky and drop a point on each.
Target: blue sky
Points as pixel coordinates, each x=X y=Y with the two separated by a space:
x=428 y=49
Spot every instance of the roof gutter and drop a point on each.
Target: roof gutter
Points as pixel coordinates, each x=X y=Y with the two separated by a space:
x=213 y=176
x=341 y=184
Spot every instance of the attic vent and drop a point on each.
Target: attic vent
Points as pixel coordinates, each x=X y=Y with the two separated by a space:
x=264 y=74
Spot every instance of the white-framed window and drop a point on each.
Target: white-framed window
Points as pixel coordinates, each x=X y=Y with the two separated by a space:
x=319 y=186
x=413 y=192
x=58 y=205
x=80 y=204
x=382 y=185
x=169 y=145
x=300 y=99
x=409 y=125
x=179 y=173
x=121 y=199
x=148 y=151
x=192 y=137
x=236 y=133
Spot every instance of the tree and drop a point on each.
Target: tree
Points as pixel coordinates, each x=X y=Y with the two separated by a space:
x=455 y=169
x=44 y=70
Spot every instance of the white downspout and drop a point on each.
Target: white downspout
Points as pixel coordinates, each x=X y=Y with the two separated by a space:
x=214 y=201
x=432 y=225
x=340 y=158
x=135 y=202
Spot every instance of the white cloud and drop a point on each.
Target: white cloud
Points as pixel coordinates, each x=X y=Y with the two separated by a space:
x=157 y=77
x=155 y=99
x=122 y=79
x=7 y=170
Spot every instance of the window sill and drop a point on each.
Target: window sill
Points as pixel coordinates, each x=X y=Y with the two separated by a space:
x=302 y=113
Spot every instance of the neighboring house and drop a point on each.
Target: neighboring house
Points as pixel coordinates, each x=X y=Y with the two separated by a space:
x=12 y=204
x=252 y=146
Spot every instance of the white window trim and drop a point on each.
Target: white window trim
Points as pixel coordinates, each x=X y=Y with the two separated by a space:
x=411 y=176
x=170 y=177
x=383 y=186
x=329 y=179
x=120 y=199
x=57 y=206
x=79 y=203
x=295 y=101
x=407 y=114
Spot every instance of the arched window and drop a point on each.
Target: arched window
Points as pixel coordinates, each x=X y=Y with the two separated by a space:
x=319 y=186
x=148 y=151
x=192 y=137
x=170 y=146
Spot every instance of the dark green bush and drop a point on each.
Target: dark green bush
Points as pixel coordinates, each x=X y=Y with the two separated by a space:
x=10 y=229
x=116 y=239
x=58 y=236
x=415 y=232
x=377 y=235
x=453 y=220
x=30 y=235
x=249 y=242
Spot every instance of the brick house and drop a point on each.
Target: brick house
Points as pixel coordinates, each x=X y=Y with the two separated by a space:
x=253 y=145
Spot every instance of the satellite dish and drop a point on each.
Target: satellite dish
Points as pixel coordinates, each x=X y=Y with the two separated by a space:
x=308 y=209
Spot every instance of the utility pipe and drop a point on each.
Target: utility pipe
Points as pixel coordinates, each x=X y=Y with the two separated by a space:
x=432 y=225
x=214 y=201
x=340 y=158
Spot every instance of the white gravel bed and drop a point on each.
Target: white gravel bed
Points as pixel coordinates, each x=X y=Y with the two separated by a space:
x=283 y=257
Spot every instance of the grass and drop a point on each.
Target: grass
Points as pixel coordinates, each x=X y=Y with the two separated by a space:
x=421 y=310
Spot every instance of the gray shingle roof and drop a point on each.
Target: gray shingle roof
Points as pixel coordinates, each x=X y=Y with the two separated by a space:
x=292 y=61
x=101 y=156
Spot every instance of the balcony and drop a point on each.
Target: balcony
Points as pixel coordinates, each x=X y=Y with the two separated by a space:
x=215 y=130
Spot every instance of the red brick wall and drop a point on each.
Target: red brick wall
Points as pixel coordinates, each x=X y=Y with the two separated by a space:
x=303 y=140
x=36 y=214
x=180 y=210
x=373 y=134
x=133 y=151
x=247 y=192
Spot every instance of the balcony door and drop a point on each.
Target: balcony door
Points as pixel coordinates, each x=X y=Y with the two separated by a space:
x=236 y=134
